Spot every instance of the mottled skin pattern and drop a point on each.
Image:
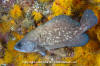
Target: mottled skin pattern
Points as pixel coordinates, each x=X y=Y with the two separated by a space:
x=59 y=32
x=52 y=36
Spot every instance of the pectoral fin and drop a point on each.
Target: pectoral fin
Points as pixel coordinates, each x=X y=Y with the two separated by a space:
x=79 y=41
x=75 y=42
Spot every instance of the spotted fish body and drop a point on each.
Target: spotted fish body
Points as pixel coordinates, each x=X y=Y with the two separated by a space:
x=59 y=32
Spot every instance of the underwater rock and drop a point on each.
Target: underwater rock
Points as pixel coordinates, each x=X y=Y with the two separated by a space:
x=27 y=23
x=63 y=52
x=43 y=8
x=1 y=51
x=25 y=3
x=3 y=38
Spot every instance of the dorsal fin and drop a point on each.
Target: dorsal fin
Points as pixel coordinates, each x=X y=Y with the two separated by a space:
x=64 y=18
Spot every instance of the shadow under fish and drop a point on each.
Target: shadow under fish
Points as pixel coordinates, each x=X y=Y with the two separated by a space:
x=59 y=32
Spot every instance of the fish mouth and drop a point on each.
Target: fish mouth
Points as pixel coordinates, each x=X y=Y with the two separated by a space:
x=20 y=50
x=16 y=48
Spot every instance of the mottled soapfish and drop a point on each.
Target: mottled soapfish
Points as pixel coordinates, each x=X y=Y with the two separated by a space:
x=59 y=32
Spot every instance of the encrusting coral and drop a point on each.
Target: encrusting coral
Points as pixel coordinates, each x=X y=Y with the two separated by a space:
x=37 y=16
x=16 y=12
x=62 y=7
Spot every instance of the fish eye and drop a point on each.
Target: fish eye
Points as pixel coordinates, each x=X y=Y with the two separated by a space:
x=19 y=44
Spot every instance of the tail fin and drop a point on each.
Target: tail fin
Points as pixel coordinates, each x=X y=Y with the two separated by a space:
x=88 y=19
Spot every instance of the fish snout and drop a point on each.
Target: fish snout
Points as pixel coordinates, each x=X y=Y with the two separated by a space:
x=26 y=46
x=18 y=46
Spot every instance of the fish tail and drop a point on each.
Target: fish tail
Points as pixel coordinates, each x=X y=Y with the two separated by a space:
x=88 y=20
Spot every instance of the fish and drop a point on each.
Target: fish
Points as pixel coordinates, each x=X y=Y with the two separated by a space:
x=61 y=31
